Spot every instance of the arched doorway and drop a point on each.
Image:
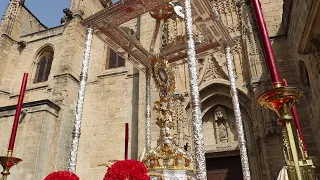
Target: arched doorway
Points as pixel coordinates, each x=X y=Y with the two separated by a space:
x=225 y=167
x=220 y=135
x=220 y=143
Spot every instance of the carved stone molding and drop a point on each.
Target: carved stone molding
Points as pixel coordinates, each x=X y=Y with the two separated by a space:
x=106 y=3
x=315 y=46
x=312 y=29
x=210 y=69
x=9 y=17
x=30 y=107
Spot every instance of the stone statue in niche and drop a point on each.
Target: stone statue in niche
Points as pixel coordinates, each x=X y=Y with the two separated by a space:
x=222 y=129
x=222 y=133
x=220 y=113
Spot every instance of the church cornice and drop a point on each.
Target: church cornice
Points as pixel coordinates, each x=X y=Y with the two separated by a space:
x=9 y=38
x=33 y=106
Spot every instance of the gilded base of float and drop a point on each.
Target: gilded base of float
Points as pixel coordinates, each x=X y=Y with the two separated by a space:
x=166 y=161
x=172 y=175
x=306 y=168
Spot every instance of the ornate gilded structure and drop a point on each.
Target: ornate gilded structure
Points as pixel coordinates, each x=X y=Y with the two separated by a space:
x=166 y=156
x=201 y=37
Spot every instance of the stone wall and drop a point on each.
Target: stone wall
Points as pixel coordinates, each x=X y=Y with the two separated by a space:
x=289 y=63
x=54 y=137
x=110 y=102
x=17 y=21
x=35 y=142
x=28 y=22
x=85 y=8
x=273 y=11
x=310 y=102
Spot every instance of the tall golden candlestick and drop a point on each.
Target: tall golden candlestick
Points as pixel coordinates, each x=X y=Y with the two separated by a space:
x=281 y=99
x=8 y=161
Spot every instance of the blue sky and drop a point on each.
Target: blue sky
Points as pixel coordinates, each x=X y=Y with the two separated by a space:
x=49 y=12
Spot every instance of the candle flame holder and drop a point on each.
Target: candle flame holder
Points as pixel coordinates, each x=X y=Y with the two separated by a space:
x=281 y=99
x=7 y=163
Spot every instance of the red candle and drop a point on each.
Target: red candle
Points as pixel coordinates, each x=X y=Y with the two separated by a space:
x=296 y=121
x=267 y=47
x=126 y=142
x=17 y=115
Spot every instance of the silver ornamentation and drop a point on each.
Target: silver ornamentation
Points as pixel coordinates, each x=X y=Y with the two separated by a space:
x=79 y=108
x=200 y=160
x=148 y=110
x=237 y=114
x=173 y=175
x=178 y=9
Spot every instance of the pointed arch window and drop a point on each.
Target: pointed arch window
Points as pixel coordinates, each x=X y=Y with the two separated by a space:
x=114 y=60
x=44 y=65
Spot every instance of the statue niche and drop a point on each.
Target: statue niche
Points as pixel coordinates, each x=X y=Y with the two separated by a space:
x=222 y=129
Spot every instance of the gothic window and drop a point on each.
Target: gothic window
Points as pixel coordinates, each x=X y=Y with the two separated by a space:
x=114 y=60
x=44 y=65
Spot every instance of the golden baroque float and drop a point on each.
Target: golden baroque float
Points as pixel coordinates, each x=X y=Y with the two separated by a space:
x=167 y=159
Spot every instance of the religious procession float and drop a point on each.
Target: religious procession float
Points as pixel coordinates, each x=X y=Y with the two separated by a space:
x=166 y=160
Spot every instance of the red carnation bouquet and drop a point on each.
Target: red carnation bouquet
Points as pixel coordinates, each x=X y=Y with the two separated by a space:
x=127 y=170
x=62 y=175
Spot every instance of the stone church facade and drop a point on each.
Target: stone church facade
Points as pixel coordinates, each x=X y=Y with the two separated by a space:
x=115 y=92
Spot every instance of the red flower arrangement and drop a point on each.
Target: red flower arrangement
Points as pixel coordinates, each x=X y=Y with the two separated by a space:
x=62 y=175
x=127 y=170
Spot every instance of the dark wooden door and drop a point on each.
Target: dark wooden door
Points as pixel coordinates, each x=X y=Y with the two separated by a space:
x=224 y=168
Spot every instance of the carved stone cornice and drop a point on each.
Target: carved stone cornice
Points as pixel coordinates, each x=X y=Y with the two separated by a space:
x=33 y=106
